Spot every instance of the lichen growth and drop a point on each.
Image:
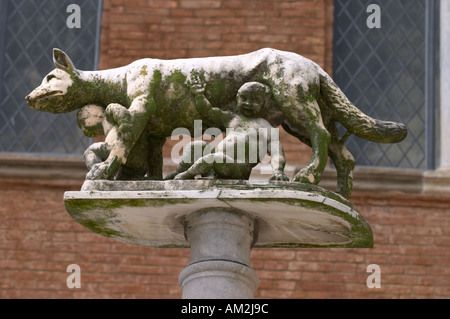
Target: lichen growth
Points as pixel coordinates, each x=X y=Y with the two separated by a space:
x=144 y=70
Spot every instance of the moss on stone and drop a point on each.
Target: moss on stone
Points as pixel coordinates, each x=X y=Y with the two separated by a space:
x=144 y=70
x=100 y=92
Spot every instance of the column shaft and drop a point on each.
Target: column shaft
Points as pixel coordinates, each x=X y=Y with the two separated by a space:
x=219 y=268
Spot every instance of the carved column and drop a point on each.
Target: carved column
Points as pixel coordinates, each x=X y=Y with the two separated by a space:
x=219 y=268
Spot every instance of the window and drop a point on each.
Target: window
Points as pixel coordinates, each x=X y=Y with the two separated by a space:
x=391 y=73
x=29 y=30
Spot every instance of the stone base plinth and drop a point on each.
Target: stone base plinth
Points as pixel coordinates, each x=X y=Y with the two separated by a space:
x=220 y=221
x=152 y=213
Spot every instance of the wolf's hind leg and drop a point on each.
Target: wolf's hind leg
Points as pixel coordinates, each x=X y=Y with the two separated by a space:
x=344 y=162
x=308 y=115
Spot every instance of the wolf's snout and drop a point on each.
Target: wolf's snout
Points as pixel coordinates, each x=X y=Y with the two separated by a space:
x=31 y=100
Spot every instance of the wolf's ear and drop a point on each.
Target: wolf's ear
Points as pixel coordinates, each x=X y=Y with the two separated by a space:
x=62 y=61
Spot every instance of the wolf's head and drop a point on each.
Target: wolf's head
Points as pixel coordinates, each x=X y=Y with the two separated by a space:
x=57 y=92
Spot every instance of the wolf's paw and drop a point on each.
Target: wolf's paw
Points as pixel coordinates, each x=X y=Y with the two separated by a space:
x=279 y=177
x=306 y=176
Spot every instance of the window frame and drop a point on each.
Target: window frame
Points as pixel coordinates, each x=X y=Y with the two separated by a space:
x=430 y=85
x=9 y=36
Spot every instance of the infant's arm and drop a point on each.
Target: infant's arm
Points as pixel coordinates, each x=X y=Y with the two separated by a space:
x=96 y=153
x=203 y=106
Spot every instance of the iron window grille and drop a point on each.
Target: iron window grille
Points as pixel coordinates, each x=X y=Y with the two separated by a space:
x=29 y=30
x=391 y=73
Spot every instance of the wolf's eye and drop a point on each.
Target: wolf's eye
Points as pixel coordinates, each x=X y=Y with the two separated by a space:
x=49 y=77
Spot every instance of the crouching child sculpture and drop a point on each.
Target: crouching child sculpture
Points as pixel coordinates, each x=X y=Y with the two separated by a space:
x=243 y=131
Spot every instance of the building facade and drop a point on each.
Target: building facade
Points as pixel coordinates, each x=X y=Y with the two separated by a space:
x=402 y=191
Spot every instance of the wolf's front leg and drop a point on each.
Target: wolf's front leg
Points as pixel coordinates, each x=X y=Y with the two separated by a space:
x=130 y=124
x=306 y=115
x=320 y=139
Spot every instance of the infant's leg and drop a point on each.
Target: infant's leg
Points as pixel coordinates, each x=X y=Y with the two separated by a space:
x=191 y=153
x=204 y=166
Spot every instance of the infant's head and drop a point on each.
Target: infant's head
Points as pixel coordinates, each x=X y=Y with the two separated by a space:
x=90 y=120
x=251 y=98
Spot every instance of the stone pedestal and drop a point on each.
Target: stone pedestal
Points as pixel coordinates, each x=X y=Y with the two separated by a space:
x=220 y=241
x=220 y=221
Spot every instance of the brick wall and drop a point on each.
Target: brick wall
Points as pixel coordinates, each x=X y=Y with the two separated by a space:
x=166 y=29
x=38 y=238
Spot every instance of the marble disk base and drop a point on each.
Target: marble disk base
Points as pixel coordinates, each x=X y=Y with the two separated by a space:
x=220 y=221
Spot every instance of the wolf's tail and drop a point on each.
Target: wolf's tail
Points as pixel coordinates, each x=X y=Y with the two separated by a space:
x=355 y=121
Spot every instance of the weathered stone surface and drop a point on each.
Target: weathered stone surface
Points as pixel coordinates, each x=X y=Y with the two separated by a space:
x=437 y=182
x=219 y=267
x=152 y=97
x=153 y=213
x=216 y=279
